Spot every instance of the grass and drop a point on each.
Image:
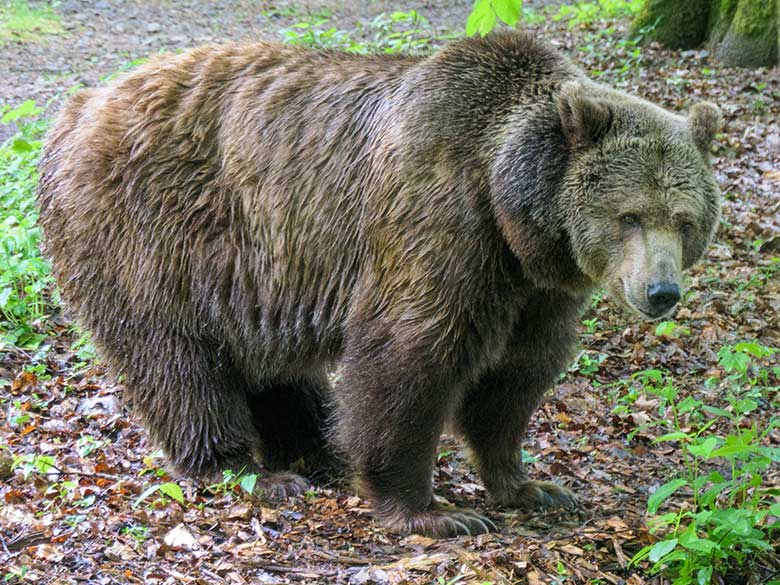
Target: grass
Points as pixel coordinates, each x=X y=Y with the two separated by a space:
x=22 y=21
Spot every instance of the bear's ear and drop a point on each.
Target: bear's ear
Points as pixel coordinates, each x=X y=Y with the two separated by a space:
x=585 y=119
x=704 y=120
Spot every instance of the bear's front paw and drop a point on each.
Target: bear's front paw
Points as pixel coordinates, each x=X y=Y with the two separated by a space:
x=537 y=495
x=441 y=522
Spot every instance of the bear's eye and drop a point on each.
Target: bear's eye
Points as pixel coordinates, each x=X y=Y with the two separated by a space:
x=629 y=219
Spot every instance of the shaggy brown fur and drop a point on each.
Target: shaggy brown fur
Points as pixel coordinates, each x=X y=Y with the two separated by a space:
x=233 y=221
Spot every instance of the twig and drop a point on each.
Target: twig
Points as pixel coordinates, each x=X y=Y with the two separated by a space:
x=5 y=548
x=57 y=470
x=26 y=540
x=347 y=560
x=304 y=572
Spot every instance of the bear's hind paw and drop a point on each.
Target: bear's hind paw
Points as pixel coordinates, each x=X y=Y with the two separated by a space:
x=279 y=486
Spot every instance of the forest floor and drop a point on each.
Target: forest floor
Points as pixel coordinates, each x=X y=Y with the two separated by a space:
x=89 y=500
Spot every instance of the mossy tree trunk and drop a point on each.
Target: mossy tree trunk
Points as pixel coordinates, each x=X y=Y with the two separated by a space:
x=741 y=33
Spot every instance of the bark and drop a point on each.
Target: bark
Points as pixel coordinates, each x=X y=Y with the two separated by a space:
x=741 y=33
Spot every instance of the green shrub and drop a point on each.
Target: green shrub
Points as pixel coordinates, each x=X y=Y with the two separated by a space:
x=578 y=13
x=723 y=526
x=486 y=14
x=25 y=280
x=387 y=33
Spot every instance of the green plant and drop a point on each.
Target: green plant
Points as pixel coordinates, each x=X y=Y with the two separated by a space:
x=21 y=21
x=37 y=366
x=31 y=463
x=87 y=444
x=526 y=457
x=126 y=66
x=311 y=34
x=671 y=330
x=138 y=533
x=169 y=489
x=723 y=527
x=588 y=365
x=150 y=466
x=232 y=481
x=591 y=325
x=579 y=13
x=387 y=33
x=61 y=491
x=596 y=298
x=407 y=32
x=15 y=573
x=486 y=13
x=624 y=55
x=84 y=348
x=25 y=278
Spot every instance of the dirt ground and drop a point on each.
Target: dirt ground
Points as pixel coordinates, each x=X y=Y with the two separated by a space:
x=100 y=36
x=98 y=536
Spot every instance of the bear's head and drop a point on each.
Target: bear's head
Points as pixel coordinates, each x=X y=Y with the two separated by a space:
x=644 y=203
x=608 y=190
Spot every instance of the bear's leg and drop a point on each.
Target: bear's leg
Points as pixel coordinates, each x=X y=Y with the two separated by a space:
x=193 y=401
x=391 y=409
x=493 y=419
x=291 y=419
x=495 y=411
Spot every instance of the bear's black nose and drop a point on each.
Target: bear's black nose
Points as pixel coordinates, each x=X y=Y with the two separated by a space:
x=663 y=296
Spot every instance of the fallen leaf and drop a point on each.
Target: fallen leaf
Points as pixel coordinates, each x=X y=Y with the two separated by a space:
x=181 y=537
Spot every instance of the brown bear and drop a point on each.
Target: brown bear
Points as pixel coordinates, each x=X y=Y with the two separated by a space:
x=234 y=222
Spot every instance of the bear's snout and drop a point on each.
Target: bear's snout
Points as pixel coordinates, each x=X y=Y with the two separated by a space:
x=662 y=296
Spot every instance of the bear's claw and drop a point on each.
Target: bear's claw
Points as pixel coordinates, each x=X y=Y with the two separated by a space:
x=443 y=523
x=538 y=495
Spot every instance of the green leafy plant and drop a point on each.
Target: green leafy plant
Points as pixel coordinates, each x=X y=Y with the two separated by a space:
x=588 y=364
x=138 y=533
x=25 y=278
x=87 y=444
x=31 y=463
x=596 y=298
x=168 y=489
x=591 y=325
x=151 y=466
x=579 y=13
x=386 y=33
x=84 y=348
x=671 y=330
x=723 y=526
x=232 y=481
x=16 y=573
x=486 y=14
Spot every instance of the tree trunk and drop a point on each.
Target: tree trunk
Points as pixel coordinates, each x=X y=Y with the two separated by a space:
x=741 y=33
